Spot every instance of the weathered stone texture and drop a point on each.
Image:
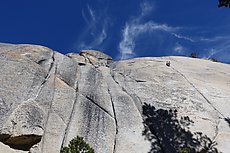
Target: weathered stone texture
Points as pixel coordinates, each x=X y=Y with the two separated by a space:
x=47 y=98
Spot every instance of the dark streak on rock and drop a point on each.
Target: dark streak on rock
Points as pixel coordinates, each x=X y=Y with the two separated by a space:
x=140 y=81
x=90 y=99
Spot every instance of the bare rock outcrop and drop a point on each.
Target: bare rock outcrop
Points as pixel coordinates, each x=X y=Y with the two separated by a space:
x=132 y=106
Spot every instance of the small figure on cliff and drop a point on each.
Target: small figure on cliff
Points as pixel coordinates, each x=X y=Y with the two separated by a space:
x=168 y=63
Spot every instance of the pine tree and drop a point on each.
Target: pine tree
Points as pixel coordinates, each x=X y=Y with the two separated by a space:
x=77 y=145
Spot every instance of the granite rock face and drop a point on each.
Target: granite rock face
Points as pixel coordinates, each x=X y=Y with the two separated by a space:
x=132 y=106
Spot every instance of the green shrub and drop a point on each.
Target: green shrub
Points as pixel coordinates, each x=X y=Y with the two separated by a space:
x=214 y=60
x=193 y=55
x=77 y=145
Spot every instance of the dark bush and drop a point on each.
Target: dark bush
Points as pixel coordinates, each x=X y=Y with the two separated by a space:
x=167 y=134
x=193 y=55
x=224 y=3
x=214 y=60
x=77 y=145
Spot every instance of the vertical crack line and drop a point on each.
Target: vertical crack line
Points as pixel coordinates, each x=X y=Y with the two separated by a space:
x=72 y=112
x=126 y=90
x=123 y=89
x=42 y=84
x=47 y=76
x=115 y=118
x=70 y=119
x=216 y=131
x=48 y=115
x=198 y=91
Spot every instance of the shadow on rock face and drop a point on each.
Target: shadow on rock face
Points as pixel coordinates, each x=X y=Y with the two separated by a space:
x=227 y=120
x=24 y=142
x=167 y=134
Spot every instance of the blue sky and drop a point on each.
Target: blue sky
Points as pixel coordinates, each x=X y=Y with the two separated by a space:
x=120 y=28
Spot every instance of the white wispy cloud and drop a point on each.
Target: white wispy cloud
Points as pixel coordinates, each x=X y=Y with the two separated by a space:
x=212 y=52
x=136 y=27
x=92 y=13
x=217 y=47
x=146 y=8
x=95 y=31
x=183 y=37
x=89 y=15
x=221 y=53
x=179 y=49
x=132 y=30
x=215 y=38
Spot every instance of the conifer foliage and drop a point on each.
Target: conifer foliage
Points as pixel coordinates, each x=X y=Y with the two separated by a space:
x=77 y=145
x=224 y=3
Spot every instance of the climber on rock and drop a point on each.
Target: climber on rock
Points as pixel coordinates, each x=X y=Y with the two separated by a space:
x=168 y=63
